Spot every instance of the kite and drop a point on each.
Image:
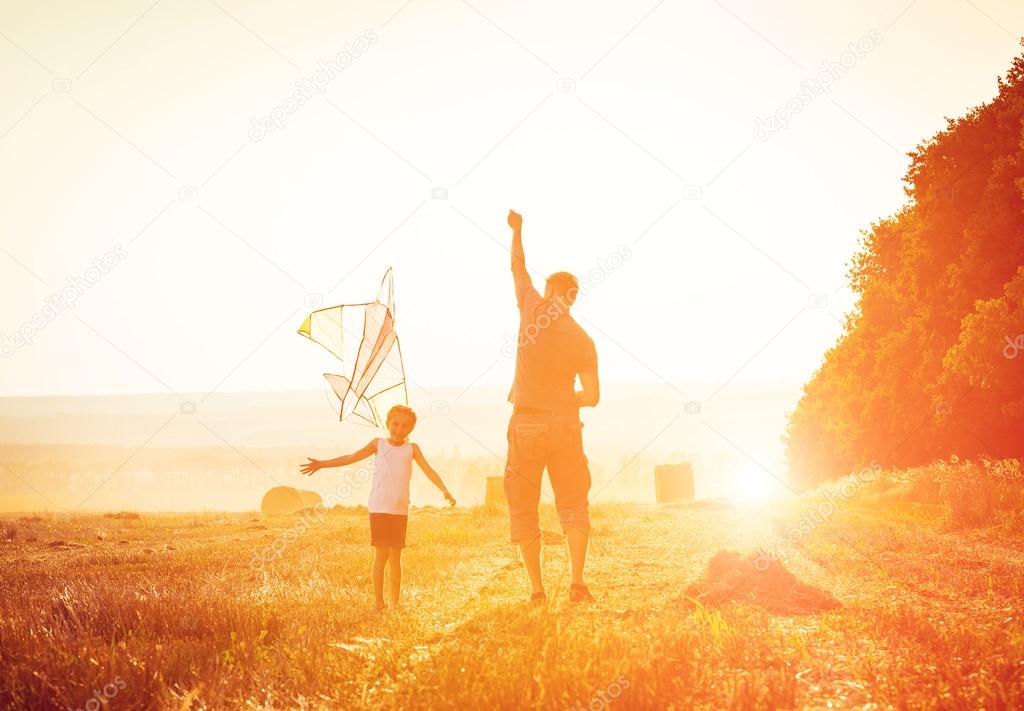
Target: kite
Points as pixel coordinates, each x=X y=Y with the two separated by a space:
x=377 y=378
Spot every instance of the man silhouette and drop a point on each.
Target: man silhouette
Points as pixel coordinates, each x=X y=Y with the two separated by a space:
x=545 y=428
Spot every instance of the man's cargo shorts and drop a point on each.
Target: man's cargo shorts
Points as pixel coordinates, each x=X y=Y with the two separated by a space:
x=555 y=441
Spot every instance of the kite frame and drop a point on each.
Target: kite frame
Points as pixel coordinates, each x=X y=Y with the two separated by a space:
x=391 y=310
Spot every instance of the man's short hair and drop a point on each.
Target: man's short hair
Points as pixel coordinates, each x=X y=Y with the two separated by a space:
x=564 y=284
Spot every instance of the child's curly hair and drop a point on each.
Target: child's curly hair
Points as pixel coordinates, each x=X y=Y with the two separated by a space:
x=402 y=409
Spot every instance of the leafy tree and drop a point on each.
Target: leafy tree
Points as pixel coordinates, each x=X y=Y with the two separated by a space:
x=919 y=372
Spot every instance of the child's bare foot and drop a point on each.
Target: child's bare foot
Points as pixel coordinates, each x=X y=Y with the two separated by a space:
x=380 y=606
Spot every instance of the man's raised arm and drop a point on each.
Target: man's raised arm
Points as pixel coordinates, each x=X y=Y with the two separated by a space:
x=519 y=274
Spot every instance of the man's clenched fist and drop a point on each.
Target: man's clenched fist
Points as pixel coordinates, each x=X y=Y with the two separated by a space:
x=515 y=220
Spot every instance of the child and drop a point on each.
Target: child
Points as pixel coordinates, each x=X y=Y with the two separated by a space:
x=389 y=494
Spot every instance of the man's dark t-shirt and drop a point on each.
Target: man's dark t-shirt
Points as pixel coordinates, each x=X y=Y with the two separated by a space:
x=552 y=348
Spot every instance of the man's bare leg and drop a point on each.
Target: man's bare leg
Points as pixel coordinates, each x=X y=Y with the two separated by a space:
x=531 y=559
x=577 y=539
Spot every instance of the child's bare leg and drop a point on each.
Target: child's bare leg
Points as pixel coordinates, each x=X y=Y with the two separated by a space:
x=395 y=560
x=380 y=559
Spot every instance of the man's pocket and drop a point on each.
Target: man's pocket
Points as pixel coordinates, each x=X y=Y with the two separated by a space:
x=530 y=440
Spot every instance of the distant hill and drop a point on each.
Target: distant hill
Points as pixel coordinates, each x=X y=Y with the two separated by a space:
x=159 y=452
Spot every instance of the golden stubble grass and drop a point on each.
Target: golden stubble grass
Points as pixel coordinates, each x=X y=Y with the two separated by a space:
x=178 y=609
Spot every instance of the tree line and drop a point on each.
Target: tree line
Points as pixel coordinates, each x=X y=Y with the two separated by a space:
x=930 y=363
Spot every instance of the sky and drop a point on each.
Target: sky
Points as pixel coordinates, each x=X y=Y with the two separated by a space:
x=171 y=212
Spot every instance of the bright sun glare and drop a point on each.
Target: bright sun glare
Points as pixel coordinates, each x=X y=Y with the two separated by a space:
x=754 y=485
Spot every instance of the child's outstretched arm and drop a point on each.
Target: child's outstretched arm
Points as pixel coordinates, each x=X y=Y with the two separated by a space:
x=313 y=465
x=434 y=477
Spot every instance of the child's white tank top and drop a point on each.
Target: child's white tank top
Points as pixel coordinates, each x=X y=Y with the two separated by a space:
x=389 y=492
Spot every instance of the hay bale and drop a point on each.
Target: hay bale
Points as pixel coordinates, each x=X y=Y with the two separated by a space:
x=310 y=499
x=673 y=482
x=757 y=579
x=281 y=501
x=495 y=493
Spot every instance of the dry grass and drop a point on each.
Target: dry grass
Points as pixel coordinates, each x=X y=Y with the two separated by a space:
x=930 y=618
x=971 y=493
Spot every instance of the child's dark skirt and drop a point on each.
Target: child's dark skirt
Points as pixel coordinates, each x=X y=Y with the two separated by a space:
x=388 y=530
